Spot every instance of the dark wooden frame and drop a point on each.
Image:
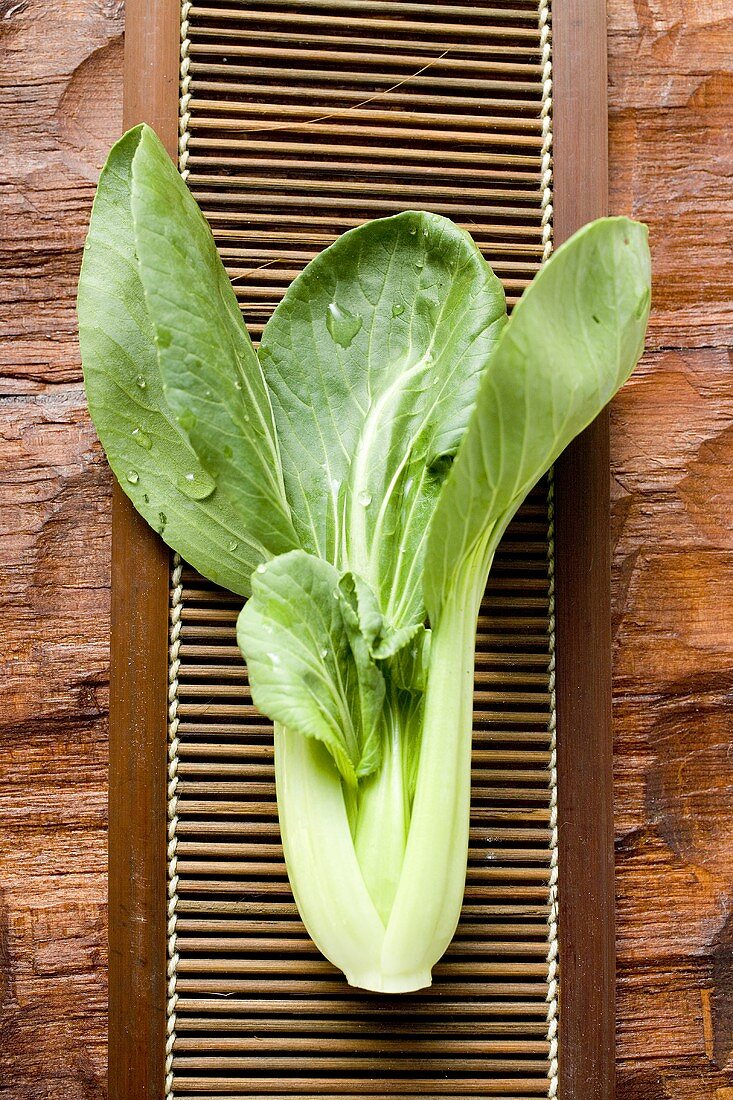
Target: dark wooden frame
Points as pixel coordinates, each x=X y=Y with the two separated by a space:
x=583 y=609
x=139 y=673
x=140 y=581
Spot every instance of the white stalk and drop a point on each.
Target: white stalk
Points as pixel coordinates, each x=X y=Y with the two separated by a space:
x=380 y=908
x=383 y=818
x=324 y=874
x=430 y=894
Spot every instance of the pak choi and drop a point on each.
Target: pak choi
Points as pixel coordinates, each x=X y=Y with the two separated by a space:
x=352 y=479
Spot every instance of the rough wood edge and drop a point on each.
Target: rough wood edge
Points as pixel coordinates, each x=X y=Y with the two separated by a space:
x=583 y=578
x=139 y=668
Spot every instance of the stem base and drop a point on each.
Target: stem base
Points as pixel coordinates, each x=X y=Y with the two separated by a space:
x=376 y=982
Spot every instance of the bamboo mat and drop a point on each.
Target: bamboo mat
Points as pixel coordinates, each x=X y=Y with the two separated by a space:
x=299 y=121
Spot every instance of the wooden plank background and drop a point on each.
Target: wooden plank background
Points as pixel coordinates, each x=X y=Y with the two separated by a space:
x=671 y=100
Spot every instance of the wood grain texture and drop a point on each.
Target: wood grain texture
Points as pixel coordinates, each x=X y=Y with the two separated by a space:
x=671 y=113
x=60 y=106
x=583 y=567
x=671 y=104
x=138 y=726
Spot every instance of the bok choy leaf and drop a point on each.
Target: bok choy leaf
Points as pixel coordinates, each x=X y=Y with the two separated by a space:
x=373 y=360
x=174 y=385
x=310 y=666
x=572 y=341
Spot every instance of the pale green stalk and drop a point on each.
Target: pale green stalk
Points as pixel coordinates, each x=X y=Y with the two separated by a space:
x=324 y=873
x=430 y=894
x=383 y=815
x=383 y=905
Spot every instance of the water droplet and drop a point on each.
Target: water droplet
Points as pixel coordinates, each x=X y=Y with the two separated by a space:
x=261 y=567
x=403 y=549
x=227 y=451
x=233 y=546
x=274 y=659
x=397 y=309
x=419 y=264
x=335 y=593
x=342 y=325
x=324 y=652
x=237 y=384
x=141 y=381
x=187 y=420
x=364 y=498
x=133 y=477
x=142 y=439
x=335 y=485
x=197 y=484
x=413 y=230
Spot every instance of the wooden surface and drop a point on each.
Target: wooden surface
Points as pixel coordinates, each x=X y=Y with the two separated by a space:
x=671 y=112
x=671 y=101
x=138 y=729
x=582 y=574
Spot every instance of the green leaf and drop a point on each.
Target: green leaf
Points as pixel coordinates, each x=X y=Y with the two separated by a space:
x=211 y=374
x=309 y=665
x=153 y=294
x=404 y=651
x=362 y=608
x=382 y=639
x=572 y=341
x=369 y=677
x=373 y=360
x=409 y=664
